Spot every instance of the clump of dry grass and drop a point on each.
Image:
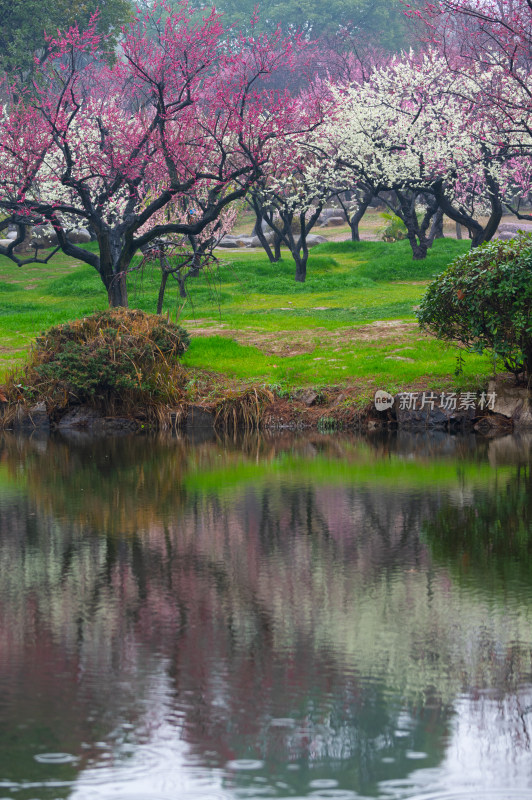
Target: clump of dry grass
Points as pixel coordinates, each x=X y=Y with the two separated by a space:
x=241 y=409
x=116 y=360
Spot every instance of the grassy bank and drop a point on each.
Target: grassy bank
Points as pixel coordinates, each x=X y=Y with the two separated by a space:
x=351 y=324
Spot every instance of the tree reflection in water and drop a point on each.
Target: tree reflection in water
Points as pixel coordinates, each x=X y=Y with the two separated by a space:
x=271 y=600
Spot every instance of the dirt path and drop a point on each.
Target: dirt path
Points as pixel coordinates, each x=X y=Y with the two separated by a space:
x=293 y=343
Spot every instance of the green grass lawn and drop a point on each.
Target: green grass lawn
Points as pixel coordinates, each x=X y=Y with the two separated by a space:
x=351 y=323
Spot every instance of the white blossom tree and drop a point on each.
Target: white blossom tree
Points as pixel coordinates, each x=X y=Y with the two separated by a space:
x=414 y=129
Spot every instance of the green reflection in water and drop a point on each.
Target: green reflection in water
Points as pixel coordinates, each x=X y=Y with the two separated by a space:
x=486 y=540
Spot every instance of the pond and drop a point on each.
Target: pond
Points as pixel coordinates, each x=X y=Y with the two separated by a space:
x=280 y=616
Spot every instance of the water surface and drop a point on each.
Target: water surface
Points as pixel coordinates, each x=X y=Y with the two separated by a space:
x=278 y=617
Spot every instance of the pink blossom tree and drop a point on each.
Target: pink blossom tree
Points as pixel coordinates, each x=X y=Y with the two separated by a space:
x=183 y=256
x=185 y=112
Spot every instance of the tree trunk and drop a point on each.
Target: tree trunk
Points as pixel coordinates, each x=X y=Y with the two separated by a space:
x=299 y=249
x=478 y=238
x=436 y=229
x=419 y=248
x=301 y=267
x=117 y=291
x=194 y=270
x=356 y=219
x=258 y=231
x=461 y=216
x=113 y=271
x=416 y=231
x=160 y=299
x=272 y=257
x=458 y=231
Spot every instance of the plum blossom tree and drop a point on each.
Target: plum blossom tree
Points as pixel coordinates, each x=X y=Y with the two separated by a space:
x=413 y=129
x=290 y=196
x=489 y=42
x=184 y=256
x=354 y=199
x=184 y=114
x=487 y=36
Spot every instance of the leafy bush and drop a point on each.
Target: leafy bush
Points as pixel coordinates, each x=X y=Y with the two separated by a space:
x=483 y=301
x=395 y=228
x=114 y=355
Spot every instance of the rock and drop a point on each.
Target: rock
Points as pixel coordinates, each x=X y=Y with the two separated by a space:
x=25 y=247
x=90 y=420
x=79 y=418
x=330 y=222
x=420 y=414
x=44 y=230
x=42 y=242
x=79 y=236
x=327 y=213
x=514 y=226
x=375 y=424
x=494 y=425
x=313 y=239
x=199 y=418
x=509 y=230
x=308 y=397
x=512 y=401
x=339 y=400
x=266 y=229
x=43 y=236
x=114 y=426
x=33 y=419
x=255 y=241
x=235 y=241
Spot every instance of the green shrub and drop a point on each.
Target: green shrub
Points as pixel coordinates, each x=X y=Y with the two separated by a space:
x=483 y=301
x=395 y=228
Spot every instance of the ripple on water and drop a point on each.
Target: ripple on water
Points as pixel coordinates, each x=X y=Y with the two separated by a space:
x=475 y=794
x=55 y=758
x=323 y=783
x=185 y=795
x=245 y=763
x=282 y=722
